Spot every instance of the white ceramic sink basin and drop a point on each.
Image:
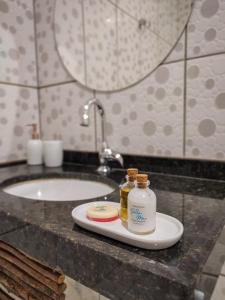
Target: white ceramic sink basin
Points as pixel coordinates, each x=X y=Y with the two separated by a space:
x=59 y=189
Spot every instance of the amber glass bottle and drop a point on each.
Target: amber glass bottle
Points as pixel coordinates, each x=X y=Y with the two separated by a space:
x=124 y=191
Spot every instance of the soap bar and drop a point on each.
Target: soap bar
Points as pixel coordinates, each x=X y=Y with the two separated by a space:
x=102 y=213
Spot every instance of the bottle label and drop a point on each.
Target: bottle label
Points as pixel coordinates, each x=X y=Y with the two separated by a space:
x=137 y=215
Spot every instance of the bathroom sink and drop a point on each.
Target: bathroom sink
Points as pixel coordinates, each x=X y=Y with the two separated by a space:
x=59 y=189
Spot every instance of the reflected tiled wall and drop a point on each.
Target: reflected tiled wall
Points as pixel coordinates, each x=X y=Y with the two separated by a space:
x=18 y=80
x=177 y=111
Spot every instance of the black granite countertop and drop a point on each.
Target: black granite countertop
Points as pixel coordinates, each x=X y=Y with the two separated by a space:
x=46 y=231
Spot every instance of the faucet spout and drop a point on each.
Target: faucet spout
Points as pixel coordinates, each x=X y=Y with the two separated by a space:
x=105 y=153
x=85 y=121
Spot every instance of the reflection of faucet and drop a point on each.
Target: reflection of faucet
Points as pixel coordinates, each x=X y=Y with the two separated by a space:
x=105 y=153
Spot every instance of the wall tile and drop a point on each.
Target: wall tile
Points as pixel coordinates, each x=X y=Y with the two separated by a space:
x=18 y=106
x=147 y=118
x=69 y=41
x=215 y=260
x=178 y=52
x=78 y=291
x=51 y=69
x=150 y=114
x=223 y=269
x=219 y=291
x=61 y=116
x=206 y=29
x=101 y=69
x=206 y=284
x=103 y=298
x=17 y=50
x=134 y=58
x=205 y=108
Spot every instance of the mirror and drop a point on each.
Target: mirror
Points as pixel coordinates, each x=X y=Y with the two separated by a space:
x=108 y=45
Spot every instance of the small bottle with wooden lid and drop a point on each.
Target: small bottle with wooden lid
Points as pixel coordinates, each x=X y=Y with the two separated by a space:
x=141 y=207
x=124 y=191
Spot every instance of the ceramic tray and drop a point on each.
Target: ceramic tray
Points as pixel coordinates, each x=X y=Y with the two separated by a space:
x=168 y=229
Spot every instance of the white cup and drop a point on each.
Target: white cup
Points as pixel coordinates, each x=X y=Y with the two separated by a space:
x=53 y=153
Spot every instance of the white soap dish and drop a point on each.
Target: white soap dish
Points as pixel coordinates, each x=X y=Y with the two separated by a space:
x=168 y=231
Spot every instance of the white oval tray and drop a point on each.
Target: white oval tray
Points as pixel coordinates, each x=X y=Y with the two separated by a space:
x=168 y=229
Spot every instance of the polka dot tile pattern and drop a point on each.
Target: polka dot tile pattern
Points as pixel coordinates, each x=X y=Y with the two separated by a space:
x=50 y=67
x=206 y=28
x=101 y=50
x=61 y=109
x=111 y=49
x=18 y=106
x=146 y=119
x=206 y=108
x=71 y=40
x=160 y=14
x=141 y=121
x=17 y=50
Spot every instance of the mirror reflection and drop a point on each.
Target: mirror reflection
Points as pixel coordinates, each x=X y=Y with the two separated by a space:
x=109 y=45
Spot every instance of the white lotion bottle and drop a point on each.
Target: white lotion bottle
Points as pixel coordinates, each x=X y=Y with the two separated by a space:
x=34 y=148
x=141 y=207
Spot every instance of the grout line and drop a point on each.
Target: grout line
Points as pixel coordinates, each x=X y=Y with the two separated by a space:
x=172 y=61
x=19 y=85
x=209 y=274
x=185 y=96
x=84 y=43
x=123 y=11
x=193 y=58
x=37 y=70
x=56 y=84
x=138 y=20
x=117 y=48
x=206 y=55
x=56 y=45
x=95 y=126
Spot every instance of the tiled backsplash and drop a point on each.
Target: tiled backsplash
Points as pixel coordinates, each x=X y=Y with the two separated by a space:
x=18 y=78
x=177 y=111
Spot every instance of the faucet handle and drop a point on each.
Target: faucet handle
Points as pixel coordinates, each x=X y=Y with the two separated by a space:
x=108 y=154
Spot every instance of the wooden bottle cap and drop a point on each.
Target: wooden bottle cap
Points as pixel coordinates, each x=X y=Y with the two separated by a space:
x=132 y=172
x=142 y=180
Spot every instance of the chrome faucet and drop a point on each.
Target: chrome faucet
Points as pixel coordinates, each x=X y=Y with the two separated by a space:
x=105 y=153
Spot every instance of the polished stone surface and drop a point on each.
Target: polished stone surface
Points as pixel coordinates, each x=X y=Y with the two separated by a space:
x=168 y=165
x=46 y=230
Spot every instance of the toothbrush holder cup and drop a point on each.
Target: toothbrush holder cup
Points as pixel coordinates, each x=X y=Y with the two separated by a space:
x=53 y=153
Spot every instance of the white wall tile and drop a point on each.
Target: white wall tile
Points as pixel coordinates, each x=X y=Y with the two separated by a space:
x=151 y=100
x=103 y=298
x=77 y=291
x=50 y=67
x=219 y=291
x=100 y=26
x=61 y=116
x=69 y=41
x=206 y=28
x=223 y=269
x=147 y=119
x=178 y=52
x=17 y=47
x=215 y=260
x=18 y=106
x=206 y=108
